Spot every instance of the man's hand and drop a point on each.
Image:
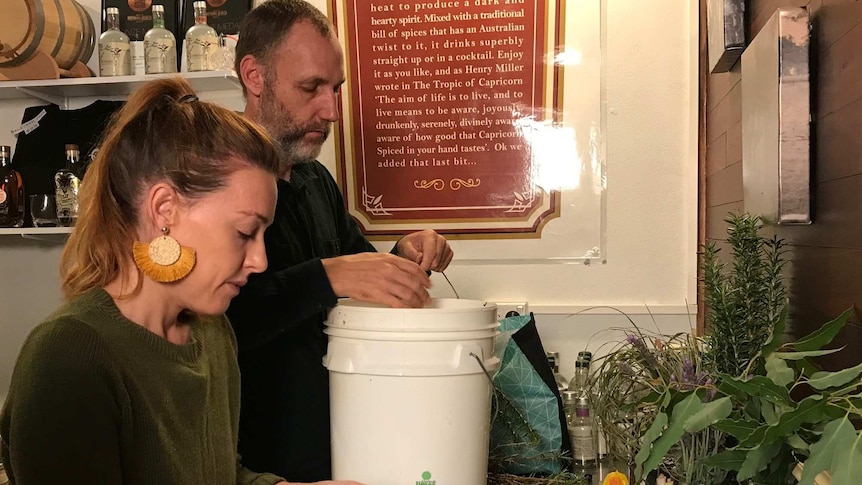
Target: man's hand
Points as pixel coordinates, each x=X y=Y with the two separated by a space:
x=426 y=248
x=378 y=278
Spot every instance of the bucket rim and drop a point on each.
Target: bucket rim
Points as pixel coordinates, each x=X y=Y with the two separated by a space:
x=412 y=329
x=351 y=334
x=349 y=304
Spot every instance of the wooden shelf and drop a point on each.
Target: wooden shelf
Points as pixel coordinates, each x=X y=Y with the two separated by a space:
x=59 y=91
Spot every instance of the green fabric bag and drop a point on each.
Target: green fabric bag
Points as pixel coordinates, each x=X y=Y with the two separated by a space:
x=529 y=435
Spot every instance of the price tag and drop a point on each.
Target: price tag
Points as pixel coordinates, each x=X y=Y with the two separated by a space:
x=31 y=125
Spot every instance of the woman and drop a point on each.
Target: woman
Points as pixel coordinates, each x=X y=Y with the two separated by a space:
x=134 y=379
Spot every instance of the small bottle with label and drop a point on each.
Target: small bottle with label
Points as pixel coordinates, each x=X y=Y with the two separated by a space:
x=584 y=436
x=67 y=183
x=11 y=191
x=201 y=41
x=160 y=45
x=114 y=56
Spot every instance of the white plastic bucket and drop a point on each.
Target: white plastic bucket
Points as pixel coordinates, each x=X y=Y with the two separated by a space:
x=410 y=400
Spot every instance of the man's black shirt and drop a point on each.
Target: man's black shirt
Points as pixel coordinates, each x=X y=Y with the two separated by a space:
x=278 y=319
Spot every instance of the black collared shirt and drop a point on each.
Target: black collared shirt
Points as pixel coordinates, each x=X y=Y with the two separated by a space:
x=278 y=319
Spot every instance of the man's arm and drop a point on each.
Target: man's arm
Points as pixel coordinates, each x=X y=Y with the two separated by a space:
x=278 y=301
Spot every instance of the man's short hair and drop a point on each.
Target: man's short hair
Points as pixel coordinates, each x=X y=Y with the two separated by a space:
x=263 y=29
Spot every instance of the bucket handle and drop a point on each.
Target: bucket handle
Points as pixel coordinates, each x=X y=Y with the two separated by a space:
x=482 y=365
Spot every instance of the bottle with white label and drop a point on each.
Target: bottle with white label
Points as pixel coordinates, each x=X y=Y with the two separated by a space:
x=583 y=433
x=114 y=56
x=201 y=41
x=160 y=45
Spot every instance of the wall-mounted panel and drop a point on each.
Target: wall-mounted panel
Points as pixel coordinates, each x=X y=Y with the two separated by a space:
x=776 y=126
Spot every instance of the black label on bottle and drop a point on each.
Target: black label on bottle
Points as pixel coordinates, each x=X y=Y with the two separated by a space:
x=222 y=15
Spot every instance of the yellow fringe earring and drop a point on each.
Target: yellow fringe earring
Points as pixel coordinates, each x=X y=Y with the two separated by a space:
x=163 y=259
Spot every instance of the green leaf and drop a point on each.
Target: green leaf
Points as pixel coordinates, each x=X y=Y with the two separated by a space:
x=756 y=386
x=805 y=355
x=758 y=459
x=751 y=409
x=738 y=428
x=709 y=414
x=774 y=340
x=850 y=404
x=767 y=409
x=822 y=336
x=778 y=372
x=825 y=380
x=847 y=463
x=780 y=468
x=654 y=431
x=809 y=410
x=685 y=409
x=727 y=459
x=755 y=438
x=837 y=435
x=807 y=367
x=797 y=442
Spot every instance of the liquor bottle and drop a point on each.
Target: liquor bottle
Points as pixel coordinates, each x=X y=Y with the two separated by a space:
x=114 y=56
x=67 y=182
x=583 y=433
x=580 y=381
x=553 y=361
x=11 y=191
x=201 y=41
x=160 y=45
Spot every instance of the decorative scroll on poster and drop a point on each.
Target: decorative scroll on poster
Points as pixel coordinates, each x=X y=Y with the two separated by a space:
x=455 y=117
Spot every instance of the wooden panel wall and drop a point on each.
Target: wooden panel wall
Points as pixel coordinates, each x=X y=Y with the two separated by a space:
x=825 y=268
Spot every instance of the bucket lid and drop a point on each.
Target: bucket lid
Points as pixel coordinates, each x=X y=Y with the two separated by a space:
x=441 y=314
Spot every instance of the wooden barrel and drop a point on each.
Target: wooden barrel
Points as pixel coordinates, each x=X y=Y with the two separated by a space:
x=60 y=28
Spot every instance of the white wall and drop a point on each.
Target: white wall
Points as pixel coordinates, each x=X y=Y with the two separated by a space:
x=651 y=205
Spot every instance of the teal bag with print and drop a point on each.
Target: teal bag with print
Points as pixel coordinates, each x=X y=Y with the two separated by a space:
x=529 y=435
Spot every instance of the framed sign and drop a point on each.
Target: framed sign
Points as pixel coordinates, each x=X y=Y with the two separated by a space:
x=481 y=119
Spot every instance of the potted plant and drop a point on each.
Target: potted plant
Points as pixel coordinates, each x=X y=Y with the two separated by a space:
x=737 y=405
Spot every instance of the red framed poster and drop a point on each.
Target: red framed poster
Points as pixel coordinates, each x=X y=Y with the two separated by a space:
x=481 y=119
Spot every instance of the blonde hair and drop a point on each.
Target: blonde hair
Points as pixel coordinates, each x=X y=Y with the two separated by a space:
x=162 y=133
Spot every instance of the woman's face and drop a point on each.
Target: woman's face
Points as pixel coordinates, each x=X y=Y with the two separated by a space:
x=225 y=228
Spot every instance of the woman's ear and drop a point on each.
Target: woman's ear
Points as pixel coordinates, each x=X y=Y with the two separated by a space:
x=162 y=206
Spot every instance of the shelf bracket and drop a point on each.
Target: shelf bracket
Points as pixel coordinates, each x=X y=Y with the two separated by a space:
x=61 y=101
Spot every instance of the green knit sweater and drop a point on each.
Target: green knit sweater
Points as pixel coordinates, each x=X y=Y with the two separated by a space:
x=98 y=399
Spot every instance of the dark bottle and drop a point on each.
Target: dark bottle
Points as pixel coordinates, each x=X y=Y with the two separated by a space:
x=11 y=191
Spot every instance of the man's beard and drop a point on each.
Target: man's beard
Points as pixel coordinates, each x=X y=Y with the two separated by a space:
x=281 y=124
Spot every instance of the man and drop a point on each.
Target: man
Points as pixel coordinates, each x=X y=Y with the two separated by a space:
x=291 y=67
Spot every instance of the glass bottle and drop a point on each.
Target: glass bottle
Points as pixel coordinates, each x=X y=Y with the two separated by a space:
x=160 y=45
x=114 y=56
x=67 y=182
x=580 y=381
x=583 y=433
x=553 y=361
x=222 y=59
x=11 y=191
x=201 y=41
